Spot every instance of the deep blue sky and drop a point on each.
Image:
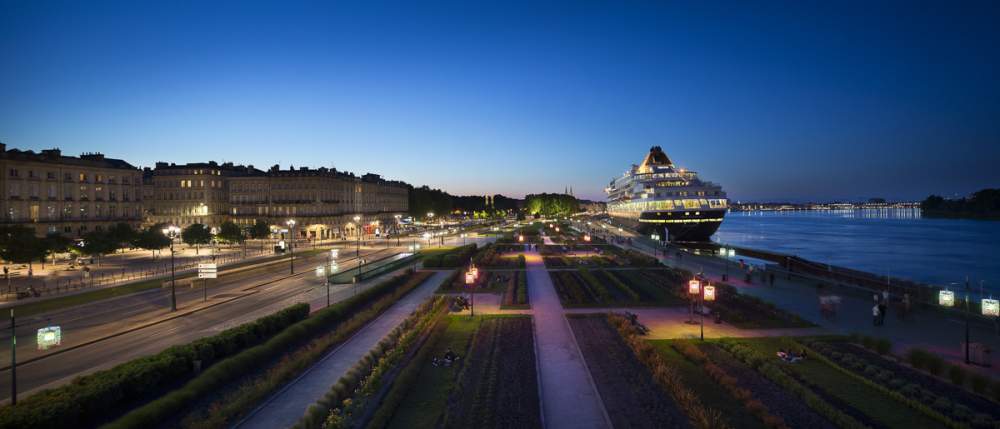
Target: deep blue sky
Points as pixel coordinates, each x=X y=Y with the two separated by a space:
x=796 y=100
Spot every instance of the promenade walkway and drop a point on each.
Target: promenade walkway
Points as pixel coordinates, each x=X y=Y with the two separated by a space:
x=941 y=333
x=286 y=407
x=569 y=399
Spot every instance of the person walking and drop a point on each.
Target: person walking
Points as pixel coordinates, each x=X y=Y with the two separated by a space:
x=875 y=319
x=906 y=304
x=883 y=306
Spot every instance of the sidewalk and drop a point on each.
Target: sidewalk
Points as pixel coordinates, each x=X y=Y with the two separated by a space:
x=937 y=332
x=569 y=399
x=286 y=407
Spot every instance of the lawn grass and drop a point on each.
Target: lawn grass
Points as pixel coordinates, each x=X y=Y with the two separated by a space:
x=428 y=395
x=880 y=407
x=710 y=392
x=59 y=303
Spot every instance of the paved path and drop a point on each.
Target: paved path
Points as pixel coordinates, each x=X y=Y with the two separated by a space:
x=287 y=406
x=934 y=331
x=569 y=399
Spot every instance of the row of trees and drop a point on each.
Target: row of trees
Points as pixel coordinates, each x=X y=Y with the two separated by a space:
x=551 y=204
x=423 y=200
x=19 y=244
x=984 y=203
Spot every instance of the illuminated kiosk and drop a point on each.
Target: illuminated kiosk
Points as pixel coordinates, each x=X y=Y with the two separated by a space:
x=656 y=197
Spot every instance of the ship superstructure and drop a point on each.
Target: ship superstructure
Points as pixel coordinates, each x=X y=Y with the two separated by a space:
x=662 y=198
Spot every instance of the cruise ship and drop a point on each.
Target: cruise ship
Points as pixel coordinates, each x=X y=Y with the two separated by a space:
x=657 y=197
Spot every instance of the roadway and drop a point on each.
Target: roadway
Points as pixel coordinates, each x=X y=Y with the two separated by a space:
x=105 y=333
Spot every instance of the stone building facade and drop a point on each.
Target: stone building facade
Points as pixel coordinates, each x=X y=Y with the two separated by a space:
x=57 y=194
x=322 y=201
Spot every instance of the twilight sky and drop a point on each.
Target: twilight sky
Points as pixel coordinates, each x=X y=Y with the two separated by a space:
x=774 y=100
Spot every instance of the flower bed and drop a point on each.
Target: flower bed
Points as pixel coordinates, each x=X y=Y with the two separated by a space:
x=452 y=258
x=773 y=397
x=494 y=256
x=664 y=376
x=346 y=400
x=498 y=387
x=734 y=386
x=248 y=377
x=516 y=294
x=950 y=400
x=814 y=378
x=630 y=395
x=488 y=282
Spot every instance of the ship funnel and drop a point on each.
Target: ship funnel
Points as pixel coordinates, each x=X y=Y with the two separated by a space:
x=656 y=156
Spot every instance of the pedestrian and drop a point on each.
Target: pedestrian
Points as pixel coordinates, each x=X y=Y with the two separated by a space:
x=883 y=306
x=875 y=320
x=906 y=304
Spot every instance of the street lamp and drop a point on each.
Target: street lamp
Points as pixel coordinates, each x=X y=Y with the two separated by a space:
x=397 y=229
x=694 y=289
x=357 y=222
x=708 y=294
x=171 y=232
x=291 y=245
x=470 y=280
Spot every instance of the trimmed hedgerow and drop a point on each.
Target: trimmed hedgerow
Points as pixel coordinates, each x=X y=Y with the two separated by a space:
x=325 y=320
x=92 y=399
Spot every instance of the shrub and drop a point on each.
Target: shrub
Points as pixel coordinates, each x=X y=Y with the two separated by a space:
x=935 y=364
x=961 y=412
x=957 y=375
x=884 y=376
x=982 y=421
x=871 y=370
x=942 y=404
x=996 y=391
x=918 y=358
x=325 y=320
x=92 y=399
x=883 y=346
x=896 y=383
x=979 y=383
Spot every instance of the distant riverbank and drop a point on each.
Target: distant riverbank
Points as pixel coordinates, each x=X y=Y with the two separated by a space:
x=899 y=242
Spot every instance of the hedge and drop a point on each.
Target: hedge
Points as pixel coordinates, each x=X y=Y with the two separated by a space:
x=327 y=319
x=91 y=399
x=453 y=258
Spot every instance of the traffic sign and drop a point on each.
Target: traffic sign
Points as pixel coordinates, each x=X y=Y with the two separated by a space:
x=207 y=271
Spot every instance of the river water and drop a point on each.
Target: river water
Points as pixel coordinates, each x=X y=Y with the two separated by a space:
x=897 y=242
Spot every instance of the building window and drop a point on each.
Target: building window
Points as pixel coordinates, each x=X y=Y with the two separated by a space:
x=13 y=172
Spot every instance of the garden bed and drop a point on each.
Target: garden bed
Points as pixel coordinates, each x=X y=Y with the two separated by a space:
x=516 y=294
x=498 y=385
x=492 y=385
x=583 y=288
x=500 y=256
x=631 y=397
x=881 y=408
x=953 y=401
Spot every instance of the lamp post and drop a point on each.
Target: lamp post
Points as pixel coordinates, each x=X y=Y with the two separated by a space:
x=694 y=289
x=357 y=221
x=397 y=228
x=967 y=310
x=291 y=245
x=171 y=233
x=707 y=294
x=470 y=280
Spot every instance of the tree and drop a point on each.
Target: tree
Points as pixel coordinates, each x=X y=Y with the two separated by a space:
x=152 y=239
x=122 y=234
x=19 y=244
x=229 y=232
x=97 y=243
x=260 y=229
x=54 y=244
x=196 y=235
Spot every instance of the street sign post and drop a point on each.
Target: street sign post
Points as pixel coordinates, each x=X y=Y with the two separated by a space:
x=205 y=272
